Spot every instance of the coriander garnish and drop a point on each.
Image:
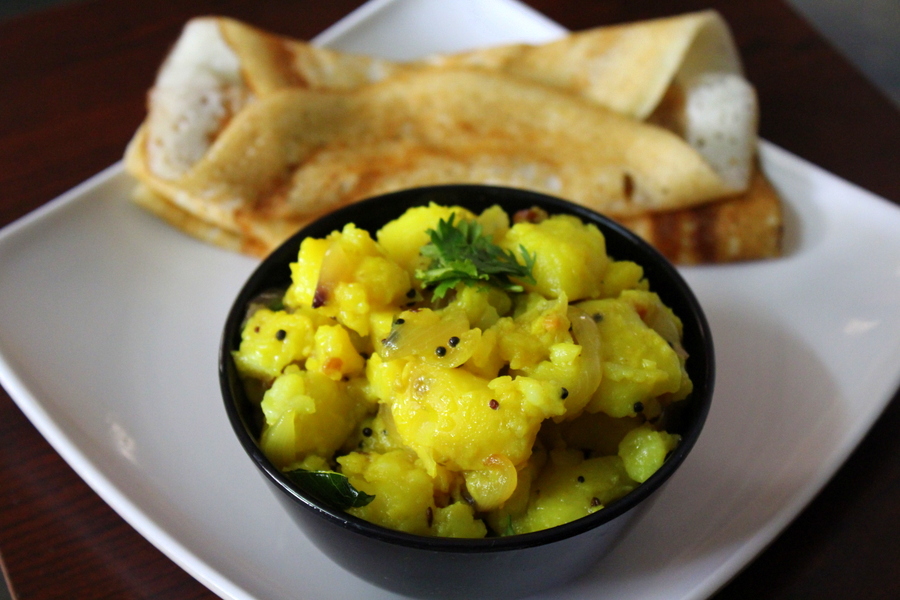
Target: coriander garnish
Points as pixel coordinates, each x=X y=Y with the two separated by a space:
x=461 y=253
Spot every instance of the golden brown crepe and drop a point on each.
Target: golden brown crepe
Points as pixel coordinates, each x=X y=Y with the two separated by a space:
x=249 y=135
x=296 y=153
x=743 y=227
x=219 y=65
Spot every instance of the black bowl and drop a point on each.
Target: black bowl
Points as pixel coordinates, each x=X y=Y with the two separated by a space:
x=491 y=567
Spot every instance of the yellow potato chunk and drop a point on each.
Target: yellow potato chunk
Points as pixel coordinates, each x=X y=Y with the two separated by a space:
x=405 y=496
x=272 y=340
x=404 y=493
x=454 y=418
x=575 y=367
x=402 y=238
x=458 y=521
x=482 y=307
x=537 y=324
x=494 y=222
x=486 y=360
x=638 y=364
x=346 y=278
x=622 y=275
x=334 y=354
x=306 y=413
x=570 y=256
x=666 y=323
x=305 y=273
x=643 y=451
x=569 y=488
x=375 y=433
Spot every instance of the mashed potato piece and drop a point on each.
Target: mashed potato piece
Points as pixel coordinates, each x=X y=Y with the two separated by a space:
x=493 y=410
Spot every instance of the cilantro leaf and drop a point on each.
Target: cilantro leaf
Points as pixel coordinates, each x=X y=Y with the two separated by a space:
x=461 y=253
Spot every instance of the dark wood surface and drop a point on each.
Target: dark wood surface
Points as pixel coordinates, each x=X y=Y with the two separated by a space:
x=72 y=87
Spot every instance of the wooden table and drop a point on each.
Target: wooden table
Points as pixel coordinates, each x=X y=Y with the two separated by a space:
x=72 y=86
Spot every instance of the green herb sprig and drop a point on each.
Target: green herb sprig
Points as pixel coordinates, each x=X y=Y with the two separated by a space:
x=461 y=253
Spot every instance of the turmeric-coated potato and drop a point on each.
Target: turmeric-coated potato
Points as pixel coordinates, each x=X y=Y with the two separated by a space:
x=507 y=379
x=570 y=256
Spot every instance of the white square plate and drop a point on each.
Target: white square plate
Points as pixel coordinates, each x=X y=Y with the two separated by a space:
x=109 y=337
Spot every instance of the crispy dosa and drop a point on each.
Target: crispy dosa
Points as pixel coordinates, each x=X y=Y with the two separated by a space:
x=297 y=153
x=219 y=65
x=250 y=135
x=743 y=227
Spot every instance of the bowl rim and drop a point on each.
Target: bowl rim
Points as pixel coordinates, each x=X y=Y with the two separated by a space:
x=402 y=199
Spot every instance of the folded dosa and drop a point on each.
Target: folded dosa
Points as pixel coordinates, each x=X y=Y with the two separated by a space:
x=219 y=65
x=297 y=153
x=255 y=134
x=742 y=227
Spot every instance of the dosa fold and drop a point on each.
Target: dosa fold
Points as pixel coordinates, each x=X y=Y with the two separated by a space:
x=252 y=135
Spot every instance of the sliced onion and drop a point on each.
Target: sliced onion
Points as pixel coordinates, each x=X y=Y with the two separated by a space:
x=584 y=328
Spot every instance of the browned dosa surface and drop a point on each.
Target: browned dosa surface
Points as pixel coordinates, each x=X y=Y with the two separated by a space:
x=304 y=130
x=744 y=227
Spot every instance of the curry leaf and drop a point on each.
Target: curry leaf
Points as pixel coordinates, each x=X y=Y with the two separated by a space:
x=329 y=487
